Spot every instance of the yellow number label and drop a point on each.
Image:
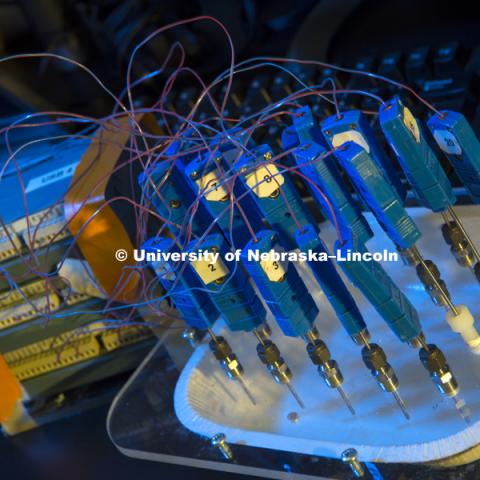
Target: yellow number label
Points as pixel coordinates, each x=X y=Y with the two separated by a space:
x=210 y=271
x=350 y=136
x=410 y=122
x=265 y=180
x=213 y=188
x=274 y=269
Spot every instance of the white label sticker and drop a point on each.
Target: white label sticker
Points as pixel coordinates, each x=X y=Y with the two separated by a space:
x=447 y=142
x=214 y=190
x=51 y=177
x=410 y=122
x=267 y=178
x=273 y=268
x=350 y=136
x=210 y=270
x=81 y=278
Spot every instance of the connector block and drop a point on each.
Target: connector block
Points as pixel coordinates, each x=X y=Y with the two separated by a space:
x=378 y=194
x=353 y=126
x=458 y=141
x=279 y=283
x=330 y=281
x=276 y=198
x=418 y=161
x=182 y=286
x=227 y=285
x=381 y=291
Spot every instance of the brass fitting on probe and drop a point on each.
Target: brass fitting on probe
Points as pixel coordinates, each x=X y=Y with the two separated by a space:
x=375 y=360
x=459 y=245
x=434 y=361
x=228 y=360
x=320 y=356
x=327 y=367
x=270 y=356
x=430 y=284
x=408 y=256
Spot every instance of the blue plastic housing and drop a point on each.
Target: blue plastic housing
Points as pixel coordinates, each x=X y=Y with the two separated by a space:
x=230 y=222
x=194 y=305
x=378 y=194
x=165 y=186
x=418 y=161
x=381 y=291
x=330 y=281
x=456 y=138
x=234 y=297
x=354 y=120
x=274 y=209
x=325 y=181
x=289 y=299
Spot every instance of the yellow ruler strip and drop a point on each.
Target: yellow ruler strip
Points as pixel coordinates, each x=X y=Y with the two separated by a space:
x=24 y=312
x=79 y=351
x=32 y=289
x=44 y=226
x=120 y=337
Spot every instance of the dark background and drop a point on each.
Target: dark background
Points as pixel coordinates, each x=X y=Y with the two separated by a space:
x=78 y=448
x=101 y=34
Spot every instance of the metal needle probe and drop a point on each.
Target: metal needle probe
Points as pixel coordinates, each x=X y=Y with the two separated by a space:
x=462 y=409
x=346 y=400
x=229 y=362
x=295 y=394
x=401 y=404
x=270 y=356
x=246 y=390
x=438 y=286
x=327 y=367
x=434 y=361
x=375 y=360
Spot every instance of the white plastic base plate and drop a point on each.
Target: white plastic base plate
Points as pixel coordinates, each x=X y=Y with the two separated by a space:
x=207 y=403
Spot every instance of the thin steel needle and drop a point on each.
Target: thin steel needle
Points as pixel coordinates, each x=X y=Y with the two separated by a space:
x=462 y=409
x=295 y=394
x=401 y=404
x=246 y=390
x=345 y=398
